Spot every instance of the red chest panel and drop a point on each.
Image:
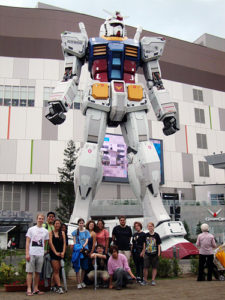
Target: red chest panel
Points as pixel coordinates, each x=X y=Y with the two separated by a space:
x=99 y=70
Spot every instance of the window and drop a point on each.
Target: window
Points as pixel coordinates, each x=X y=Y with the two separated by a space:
x=49 y=198
x=201 y=141
x=10 y=196
x=217 y=199
x=197 y=95
x=203 y=169
x=17 y=95
x=199 y=115
x=46 y=95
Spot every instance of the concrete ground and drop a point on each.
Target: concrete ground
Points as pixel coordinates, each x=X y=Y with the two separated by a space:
x=168 y=289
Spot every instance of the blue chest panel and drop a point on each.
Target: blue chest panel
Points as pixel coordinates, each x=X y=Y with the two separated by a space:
x=115 y=53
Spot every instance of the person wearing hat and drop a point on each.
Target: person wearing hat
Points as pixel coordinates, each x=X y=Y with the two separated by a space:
x=205 y=243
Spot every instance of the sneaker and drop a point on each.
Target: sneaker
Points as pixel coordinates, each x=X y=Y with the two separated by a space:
x=143 y=283
x=83 y=285
x=79 y=286
x=53 y=289
x=153 y=283
x=60 y=290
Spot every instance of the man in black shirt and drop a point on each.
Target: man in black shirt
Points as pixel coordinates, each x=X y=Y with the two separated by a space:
x=152 y=252
x=121 y=236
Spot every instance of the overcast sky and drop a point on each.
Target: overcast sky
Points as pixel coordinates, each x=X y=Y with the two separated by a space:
x=182 y=19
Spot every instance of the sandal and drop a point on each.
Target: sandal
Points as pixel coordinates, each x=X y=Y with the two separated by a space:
x=29 y=293
x=38 y=293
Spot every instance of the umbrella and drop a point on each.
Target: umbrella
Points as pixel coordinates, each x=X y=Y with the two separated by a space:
x=64 y=274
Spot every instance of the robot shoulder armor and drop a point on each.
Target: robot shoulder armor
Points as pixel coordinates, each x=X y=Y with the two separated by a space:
x=74 y=43
x=152 y=48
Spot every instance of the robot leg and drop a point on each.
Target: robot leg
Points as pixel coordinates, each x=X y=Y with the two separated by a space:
x=88 y=171
x=144 y=176
x=144 y=167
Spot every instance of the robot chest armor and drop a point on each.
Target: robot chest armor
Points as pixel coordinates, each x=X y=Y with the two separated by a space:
x=113 y=61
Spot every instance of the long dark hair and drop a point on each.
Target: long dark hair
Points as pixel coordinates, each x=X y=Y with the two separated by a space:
x=60 y=231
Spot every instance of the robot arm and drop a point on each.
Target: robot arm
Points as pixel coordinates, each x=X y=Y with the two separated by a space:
x=74 y=47
x=152 y=49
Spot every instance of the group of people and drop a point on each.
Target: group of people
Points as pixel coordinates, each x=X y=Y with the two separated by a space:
x=91 y=246
x=91 y=249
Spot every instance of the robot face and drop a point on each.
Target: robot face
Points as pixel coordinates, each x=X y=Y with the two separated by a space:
x=113 y=26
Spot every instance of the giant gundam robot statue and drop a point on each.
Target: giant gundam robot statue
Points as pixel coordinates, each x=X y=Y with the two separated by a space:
x=112 y=98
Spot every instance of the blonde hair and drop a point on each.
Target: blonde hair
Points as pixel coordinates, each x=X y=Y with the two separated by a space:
x=204 y=227
x=150 y=223
x=40 y=215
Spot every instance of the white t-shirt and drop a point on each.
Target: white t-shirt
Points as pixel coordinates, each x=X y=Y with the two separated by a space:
x=37 y=236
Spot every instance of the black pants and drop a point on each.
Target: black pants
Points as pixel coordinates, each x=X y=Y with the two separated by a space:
x=139 y=264
x=120 y=277
x=208 y=261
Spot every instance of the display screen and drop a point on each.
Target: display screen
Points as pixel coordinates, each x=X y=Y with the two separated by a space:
x=114 y=158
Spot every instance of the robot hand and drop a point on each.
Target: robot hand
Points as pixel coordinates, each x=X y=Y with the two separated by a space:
x=170 y=125
x=55 y=113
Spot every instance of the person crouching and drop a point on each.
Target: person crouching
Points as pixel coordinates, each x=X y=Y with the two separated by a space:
x=118 y=269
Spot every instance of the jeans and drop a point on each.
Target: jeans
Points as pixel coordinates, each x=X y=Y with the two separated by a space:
x=120 y=277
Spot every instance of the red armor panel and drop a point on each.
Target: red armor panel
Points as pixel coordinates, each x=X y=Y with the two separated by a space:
x=129 y=66
x=129 y=78
x=102 y=77
x=99 y=70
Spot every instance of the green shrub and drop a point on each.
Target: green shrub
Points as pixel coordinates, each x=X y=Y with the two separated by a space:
x=7 y=273
x=165 y=268
x=194 y=265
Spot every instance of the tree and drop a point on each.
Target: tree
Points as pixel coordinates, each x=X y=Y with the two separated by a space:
x=187 y=236
x=198 y=228
x=66 y=187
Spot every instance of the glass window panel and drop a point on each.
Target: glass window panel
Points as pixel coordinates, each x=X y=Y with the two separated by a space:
x=8 y=196
x=23 y=102
x=15 y=102
x=30 y=103
x=45 y=103
x=7 y=205
x=16 y=206
x=15 y=92
x=1 y=101
x=1 y=93
x=31 y=91
x=23 y=92
x=8 y=92
x=7 y=102
x=44 y=206
x=8 y=187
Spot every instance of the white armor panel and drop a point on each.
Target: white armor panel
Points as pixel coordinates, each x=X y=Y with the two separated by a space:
x=74 y=43
x=161 y=106
x=152 y=48
x=118 y=101
x=65 y=92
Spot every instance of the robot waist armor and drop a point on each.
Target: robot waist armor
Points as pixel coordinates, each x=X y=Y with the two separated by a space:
x=117 y=98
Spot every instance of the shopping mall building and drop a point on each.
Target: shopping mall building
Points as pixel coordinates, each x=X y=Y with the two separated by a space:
x=31 y=148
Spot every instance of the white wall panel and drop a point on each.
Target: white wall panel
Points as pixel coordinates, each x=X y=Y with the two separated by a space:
x=6 y=69
x=65 y=130
x=4 y=112
x=176 y=162
x=56 y=156
x=167 y=166
x=191 y=137
x=169 y=143
x=33 y=123
x=184 y=113
x=18 y=123
x=36 y=68
x=212 y=142
x=157 y=132
x=23 y=157
x=177 y=91
x=220 y=136
x=51 y=69
x=215 y=118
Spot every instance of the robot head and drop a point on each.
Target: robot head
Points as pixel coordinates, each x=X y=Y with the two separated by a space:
x=113 y=26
